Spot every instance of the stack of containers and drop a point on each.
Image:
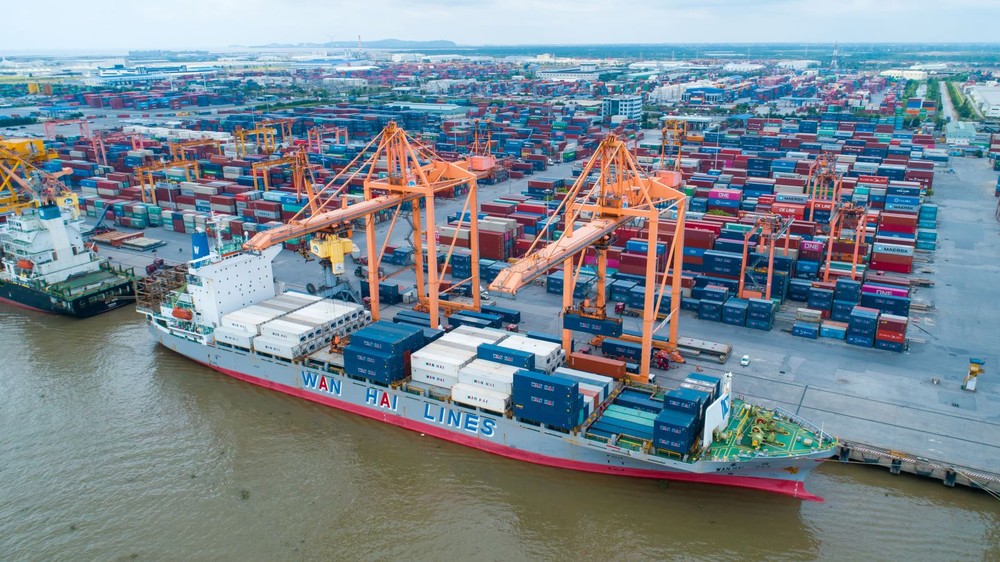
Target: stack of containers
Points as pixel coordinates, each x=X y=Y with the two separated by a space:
x=309 y=328
x=553 y=400
x=760 y=314
x=674 y=431
x=891 y=300
x=891 y=333
x=546 y=356
x=861 y=326
x=380 y=351
x=734 y=312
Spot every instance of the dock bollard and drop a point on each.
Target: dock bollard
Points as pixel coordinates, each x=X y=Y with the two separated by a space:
x=895 y=465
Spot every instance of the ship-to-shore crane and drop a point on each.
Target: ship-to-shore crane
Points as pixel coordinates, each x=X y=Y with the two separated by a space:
x=412 y=174
x=622 y=194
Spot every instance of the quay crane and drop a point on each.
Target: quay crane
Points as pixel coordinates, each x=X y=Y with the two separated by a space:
x=622 y=194
x=411 y=174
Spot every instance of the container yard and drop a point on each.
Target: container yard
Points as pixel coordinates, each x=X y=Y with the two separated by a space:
x=843 y=230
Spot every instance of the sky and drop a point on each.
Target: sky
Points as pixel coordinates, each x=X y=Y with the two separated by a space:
x=188 y=24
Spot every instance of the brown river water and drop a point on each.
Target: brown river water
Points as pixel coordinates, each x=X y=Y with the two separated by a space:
x=112 y=448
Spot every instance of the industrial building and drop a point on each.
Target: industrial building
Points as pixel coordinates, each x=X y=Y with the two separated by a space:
x=628 y=107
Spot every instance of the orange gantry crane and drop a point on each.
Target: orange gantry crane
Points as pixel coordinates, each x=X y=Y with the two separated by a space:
x=298 y=160
x=100 y=140
x=147 y=184
x=284 y=126
x=180 y=150
x=315 y=137
x=622 y=194
x=847 y=223
x=770 y=230
x=50 y=127
x=411 y=175
x=847 y=220
x=673 y=134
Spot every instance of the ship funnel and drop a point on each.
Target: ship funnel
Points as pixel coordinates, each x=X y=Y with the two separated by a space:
x=199 y=245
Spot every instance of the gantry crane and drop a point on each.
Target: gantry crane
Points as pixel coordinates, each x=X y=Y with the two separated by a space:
x=179 y=150
x=50 y=127
x=263 y=137
x=284 y=126
x=314 y=137
x=622 y=194
x=823 y=188
x=100 y=139
x=770 y=230
x=847 y=223
x=147 y=185
x=297 y=159
x=412 y=175
x=673 y=133
x=17 y=158
x=36 y=187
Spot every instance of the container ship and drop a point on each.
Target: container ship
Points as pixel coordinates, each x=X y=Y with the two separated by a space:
x=47 y=266
x=484 y=388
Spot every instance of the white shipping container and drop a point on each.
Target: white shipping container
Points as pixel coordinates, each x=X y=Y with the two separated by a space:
x=478 y=397
x=250 y=318
x=289 y=331
x=433 y=378
x=490 y=335
x=263 y=344
x=599 y=380
x=232 y=336
x=548 y=355
x=602 y=392
x=487 y=374
x=441 y=358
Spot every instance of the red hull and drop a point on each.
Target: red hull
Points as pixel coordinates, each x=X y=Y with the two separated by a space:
x=793 y=488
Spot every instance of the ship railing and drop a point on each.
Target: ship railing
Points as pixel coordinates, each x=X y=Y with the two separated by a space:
x=806 y=425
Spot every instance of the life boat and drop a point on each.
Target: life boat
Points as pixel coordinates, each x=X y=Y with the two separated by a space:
x=182 y=313
x=25 y=264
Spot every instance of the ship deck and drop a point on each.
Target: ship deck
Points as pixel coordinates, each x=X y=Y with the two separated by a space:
x=101 y=279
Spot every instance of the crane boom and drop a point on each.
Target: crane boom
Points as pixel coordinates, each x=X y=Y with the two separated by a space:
x=521 y=273
x=324 y=220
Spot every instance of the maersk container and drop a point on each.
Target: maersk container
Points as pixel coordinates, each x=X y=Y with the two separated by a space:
x=609 y=327
x=506 y=356
x=479 y=397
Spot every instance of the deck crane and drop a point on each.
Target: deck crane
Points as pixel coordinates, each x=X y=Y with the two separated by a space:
x=18 y=158
x=37 y=187
x=622 y=194
x=770 y=230
x=412 y=175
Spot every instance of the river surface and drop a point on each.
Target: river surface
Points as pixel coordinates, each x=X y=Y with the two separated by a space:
x=112 y=448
